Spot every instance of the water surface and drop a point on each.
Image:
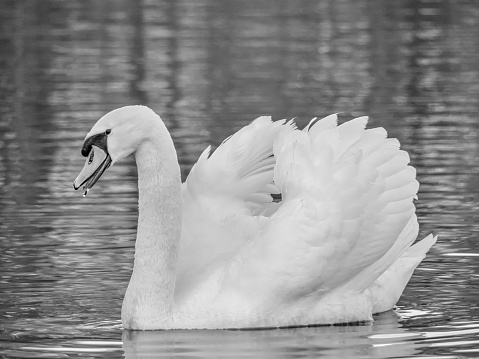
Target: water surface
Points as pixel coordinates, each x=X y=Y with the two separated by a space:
x=209 y=68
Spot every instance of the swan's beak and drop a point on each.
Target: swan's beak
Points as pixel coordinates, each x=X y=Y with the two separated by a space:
x=96 y=163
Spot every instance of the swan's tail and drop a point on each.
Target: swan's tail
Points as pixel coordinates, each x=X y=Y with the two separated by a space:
x=387 y=289
x=420 y=249
x=387 y=277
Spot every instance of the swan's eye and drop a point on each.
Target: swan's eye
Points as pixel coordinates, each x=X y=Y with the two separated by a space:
x=90 y=160
x=107 y=132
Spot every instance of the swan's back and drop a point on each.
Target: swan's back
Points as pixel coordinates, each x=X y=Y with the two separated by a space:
x=346 y=216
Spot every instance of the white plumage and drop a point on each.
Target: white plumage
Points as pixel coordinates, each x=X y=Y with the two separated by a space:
x=336 y=248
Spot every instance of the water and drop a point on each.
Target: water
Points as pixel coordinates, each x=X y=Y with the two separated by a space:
x=209 y=68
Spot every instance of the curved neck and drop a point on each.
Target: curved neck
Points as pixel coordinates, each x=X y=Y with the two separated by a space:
x=149 y=297
x=159 y=222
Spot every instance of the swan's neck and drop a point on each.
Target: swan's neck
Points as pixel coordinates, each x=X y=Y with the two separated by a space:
x=148 y=302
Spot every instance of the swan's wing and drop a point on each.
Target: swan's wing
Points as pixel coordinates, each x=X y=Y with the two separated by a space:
x=347 y=195
x=224 y=194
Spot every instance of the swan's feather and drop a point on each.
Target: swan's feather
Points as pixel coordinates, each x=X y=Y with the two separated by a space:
x=345 y=221
x=347 y=196
x=224 y=194
x=280 y=227
x=387 y=289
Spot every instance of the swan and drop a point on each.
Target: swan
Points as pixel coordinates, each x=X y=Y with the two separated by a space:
x=334 y=246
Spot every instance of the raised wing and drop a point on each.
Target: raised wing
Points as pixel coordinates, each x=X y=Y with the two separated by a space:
x=347 y=196
x=225 y=197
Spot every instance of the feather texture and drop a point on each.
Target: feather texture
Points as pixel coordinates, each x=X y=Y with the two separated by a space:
x=226 y=198
x=346 y=217
x=277 y=227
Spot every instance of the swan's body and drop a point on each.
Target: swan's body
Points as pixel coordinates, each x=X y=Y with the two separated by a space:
x=218 y=252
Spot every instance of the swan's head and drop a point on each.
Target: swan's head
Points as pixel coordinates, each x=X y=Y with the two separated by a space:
x=115 y=136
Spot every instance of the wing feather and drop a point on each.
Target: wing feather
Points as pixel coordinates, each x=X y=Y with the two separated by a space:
x=347 y=196
x=223 y=195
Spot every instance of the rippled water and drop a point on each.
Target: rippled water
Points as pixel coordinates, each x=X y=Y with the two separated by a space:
x=210 y=67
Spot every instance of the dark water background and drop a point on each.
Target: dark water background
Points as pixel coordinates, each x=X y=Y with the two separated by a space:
x=209 y=67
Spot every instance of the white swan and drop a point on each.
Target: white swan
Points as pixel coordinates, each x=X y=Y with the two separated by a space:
x=218 y=252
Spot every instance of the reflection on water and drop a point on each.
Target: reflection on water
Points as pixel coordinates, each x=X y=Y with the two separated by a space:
x=384 y=338
x=210 y=67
